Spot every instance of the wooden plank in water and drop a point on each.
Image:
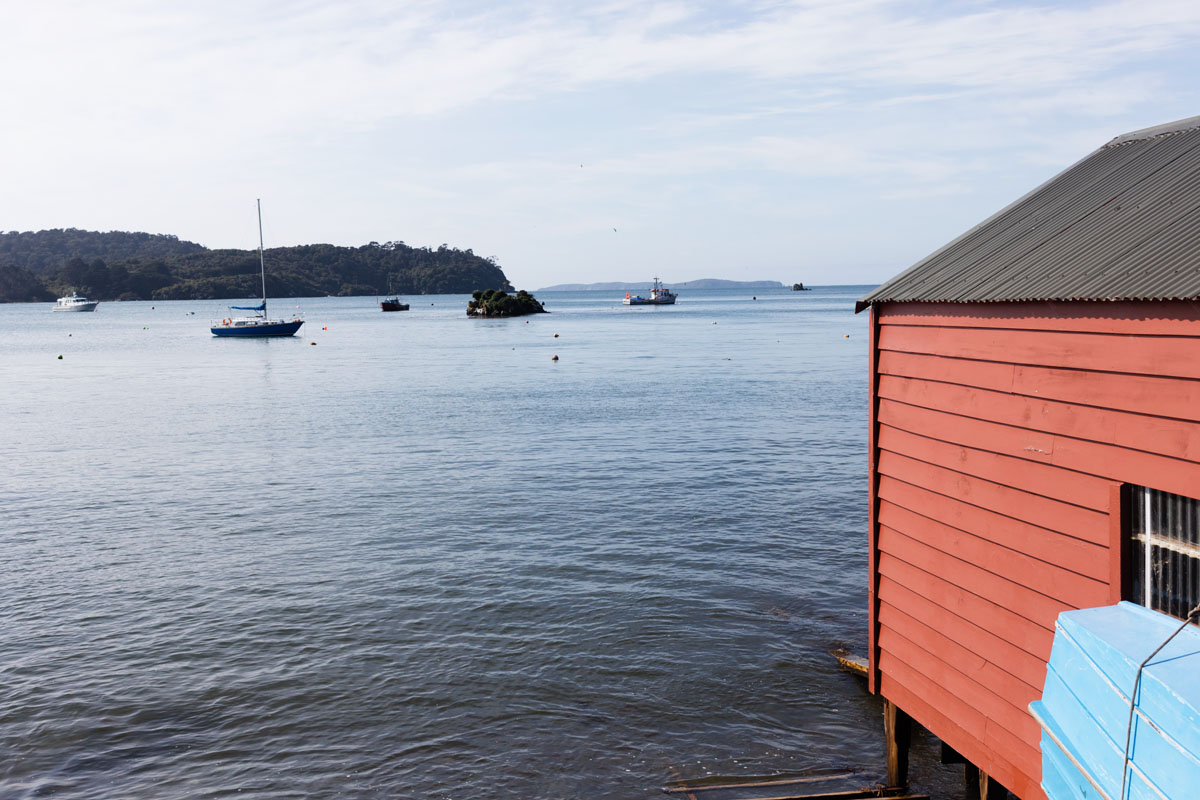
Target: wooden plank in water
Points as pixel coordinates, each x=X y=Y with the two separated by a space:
x=852 y=663
x=869 y=794
x=858 y=794
x=701 y=786
x=693 y=790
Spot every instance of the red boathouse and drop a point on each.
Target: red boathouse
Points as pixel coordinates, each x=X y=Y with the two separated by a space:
x=1035 y=429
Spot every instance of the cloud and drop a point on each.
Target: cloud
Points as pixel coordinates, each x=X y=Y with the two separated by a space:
x=441 y=112
x=359 y=62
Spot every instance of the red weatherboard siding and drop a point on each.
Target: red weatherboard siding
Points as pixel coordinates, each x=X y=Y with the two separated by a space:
x=1000 y=434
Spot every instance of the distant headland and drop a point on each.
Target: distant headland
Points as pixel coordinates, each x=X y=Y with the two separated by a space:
x=629 y=286
x=39 y=266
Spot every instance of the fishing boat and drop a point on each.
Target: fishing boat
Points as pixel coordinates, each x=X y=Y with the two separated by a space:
x=392 y=301
x=659 y=296
x=1120 y=712
x=259 y=324
x=75 y=302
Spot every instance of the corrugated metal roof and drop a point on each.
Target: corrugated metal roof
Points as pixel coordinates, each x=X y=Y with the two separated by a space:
x=1122 y=224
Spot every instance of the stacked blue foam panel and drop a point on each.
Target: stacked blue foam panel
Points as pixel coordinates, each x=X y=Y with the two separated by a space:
x=1085 y=706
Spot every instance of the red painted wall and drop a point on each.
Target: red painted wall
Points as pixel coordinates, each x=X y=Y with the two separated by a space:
x=1000 y=434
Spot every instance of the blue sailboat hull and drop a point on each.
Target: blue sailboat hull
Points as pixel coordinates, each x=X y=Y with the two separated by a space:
x=268 y=329
x=1085 y=707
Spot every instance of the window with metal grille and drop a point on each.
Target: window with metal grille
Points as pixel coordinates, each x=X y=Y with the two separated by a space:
x=1165 y=549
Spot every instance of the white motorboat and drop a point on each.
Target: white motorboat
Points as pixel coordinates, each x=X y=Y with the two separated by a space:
x=75 y=302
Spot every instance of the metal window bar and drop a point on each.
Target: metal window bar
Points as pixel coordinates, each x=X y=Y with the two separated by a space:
x=1167 y=526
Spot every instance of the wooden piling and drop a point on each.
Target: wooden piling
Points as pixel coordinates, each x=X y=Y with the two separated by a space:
x=981 y=786
x=897 y=732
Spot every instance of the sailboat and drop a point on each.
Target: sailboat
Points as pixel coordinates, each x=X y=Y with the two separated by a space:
x=258 y=324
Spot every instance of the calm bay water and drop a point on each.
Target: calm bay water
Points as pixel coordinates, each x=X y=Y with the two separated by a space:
x=421 y=559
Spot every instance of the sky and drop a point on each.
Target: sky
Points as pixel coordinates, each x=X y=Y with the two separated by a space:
x=822 y=142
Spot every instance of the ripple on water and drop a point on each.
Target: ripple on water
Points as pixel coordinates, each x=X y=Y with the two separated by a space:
x=416 y=562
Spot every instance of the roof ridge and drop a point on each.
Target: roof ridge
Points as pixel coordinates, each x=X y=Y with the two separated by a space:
x=1121 y=223
x=1166 y=129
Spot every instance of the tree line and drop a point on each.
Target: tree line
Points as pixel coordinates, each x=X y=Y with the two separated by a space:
x=39 y=266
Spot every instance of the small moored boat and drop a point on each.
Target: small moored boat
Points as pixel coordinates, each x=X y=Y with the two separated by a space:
x=392 y=304
x=75 y=302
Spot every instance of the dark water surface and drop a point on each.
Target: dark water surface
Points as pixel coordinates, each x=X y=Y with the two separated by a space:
x=420 y=559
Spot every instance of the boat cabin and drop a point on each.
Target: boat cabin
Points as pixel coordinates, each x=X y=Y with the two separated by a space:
x=1034 y=444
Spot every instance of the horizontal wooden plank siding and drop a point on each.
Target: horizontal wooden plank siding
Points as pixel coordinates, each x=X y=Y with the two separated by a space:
x=1018 y=662
x=1168 y=474
x=1167 y=356
x=1019 y=473
x=1087 y=558
x=999 y=435
x=1033 y=508
x=1164 y=435
x=1157 y=318
x=982 y=612
x=1050 y=579
x=1141 y=394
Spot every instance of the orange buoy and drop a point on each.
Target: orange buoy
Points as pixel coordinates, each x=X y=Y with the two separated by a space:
x=553 y=358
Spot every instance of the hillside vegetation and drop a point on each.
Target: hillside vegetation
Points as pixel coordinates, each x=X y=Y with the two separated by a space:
x=39 y=266
x=498 y=303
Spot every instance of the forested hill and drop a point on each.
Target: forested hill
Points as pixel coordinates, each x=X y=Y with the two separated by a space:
x=43 y=251
x=40 y=266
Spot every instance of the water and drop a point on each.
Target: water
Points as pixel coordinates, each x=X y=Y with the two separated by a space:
x=419 y=558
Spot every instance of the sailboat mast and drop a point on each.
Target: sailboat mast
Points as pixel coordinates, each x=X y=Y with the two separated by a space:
x=262 y=264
